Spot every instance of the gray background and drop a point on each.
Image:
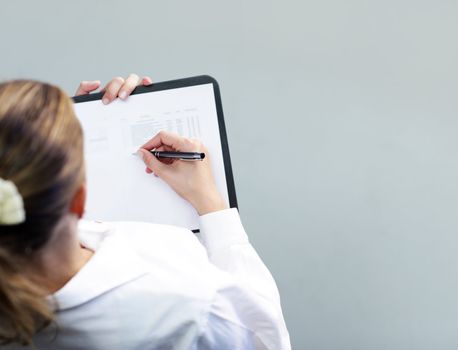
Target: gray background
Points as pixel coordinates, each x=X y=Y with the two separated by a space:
x=342 y=120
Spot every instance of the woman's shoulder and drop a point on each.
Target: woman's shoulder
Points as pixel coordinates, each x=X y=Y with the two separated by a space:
x=164 y=250
x=147 y=260
x=145 y=281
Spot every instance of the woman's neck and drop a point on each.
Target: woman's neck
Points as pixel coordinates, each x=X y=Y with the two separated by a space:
x=62 y=257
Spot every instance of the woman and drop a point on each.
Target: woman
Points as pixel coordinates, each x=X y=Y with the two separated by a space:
x=66 y=283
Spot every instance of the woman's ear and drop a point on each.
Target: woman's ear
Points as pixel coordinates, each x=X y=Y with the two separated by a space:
x=79 y=201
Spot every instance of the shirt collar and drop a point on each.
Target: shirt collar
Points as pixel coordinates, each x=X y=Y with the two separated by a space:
x=114 y=263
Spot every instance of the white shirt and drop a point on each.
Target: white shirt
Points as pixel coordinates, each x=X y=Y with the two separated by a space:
x=151 y=286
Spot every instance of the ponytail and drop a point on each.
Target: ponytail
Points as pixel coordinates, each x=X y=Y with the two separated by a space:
x=41 y=153
x=23 y=307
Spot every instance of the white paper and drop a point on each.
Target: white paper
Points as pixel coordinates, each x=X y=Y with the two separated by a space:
x=118 y=186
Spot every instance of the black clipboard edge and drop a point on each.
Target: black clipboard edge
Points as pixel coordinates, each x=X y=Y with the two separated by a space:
x=186 y=82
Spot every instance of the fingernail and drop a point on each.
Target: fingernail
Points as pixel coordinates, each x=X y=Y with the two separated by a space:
x=140 y=154
x=105 y=101
x=123 y=95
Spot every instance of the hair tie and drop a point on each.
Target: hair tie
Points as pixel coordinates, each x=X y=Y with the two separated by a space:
x=11 y=204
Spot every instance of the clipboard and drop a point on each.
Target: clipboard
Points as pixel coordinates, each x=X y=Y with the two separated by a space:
x=189 y=106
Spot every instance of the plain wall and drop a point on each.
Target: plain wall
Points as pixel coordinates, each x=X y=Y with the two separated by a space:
x=342 y=119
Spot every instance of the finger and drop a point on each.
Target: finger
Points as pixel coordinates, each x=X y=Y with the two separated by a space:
x=112 y=89
x=147 y=81
x=175 y=141
x=86 y=87
x=129 y=85
x=149 y=171
x=166 y=149
x=152 y=162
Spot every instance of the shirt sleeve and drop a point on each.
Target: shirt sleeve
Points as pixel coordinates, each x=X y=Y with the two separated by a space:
x=246 y=312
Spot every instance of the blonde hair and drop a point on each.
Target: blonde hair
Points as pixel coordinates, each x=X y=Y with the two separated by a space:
x=41 y=152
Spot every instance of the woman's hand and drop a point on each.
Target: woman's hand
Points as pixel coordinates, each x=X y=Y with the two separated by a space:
x=116 y=87
x=192 y=180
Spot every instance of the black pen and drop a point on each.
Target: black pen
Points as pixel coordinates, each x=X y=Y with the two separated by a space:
x=179 y=155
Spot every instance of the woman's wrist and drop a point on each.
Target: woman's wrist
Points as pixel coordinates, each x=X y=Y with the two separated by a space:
x=209 y=204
